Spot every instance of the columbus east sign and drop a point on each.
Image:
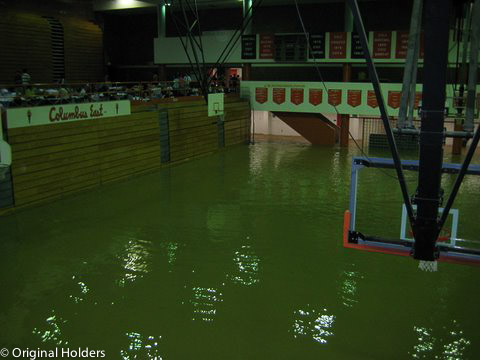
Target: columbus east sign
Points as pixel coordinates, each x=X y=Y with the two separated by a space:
x=58 y=114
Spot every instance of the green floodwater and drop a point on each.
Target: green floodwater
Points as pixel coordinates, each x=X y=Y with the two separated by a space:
x=237 y=255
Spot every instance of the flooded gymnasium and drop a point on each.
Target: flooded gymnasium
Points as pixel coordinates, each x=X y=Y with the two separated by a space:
x=240 y=179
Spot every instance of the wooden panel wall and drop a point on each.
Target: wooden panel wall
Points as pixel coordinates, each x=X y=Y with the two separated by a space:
x=52 y=161
x=25 y=43
x=237 y=121
x=83 y=41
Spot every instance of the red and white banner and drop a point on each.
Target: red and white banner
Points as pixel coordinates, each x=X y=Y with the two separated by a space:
x=394 y=98
x=296 y=96
x=382 y=44
x=278 y=95
x=334 y=97
x=60 y=113
x=338 y=45
x=261 y=95
x=354 y=97
x=266 y=49
x=315 y=96
x=372 y=99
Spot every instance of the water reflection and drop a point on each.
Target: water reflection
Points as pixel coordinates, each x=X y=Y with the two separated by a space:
x=247 y=263
x=135 y=259
x=314 y=324
x=349 y=287
x=141 y=347
x=204 y=301
x=83 y=291
x=52 y=332
x=453 y=345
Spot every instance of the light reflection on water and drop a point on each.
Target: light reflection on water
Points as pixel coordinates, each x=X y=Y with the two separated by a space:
x=247 y=263
x=314 y=324
x=450 y=346
x=141 y=347
x=52 y=332
x=135 y=259
x=204 y=301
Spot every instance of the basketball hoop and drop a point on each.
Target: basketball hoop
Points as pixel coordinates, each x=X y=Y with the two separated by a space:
x=429 y=266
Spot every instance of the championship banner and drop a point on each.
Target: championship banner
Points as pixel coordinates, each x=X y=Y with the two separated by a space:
x=338 y=45
x=402 y=45
x=394 y=98
x=58 y=114
x=334 y=97
x=382 y=44
x=315 y=96
x=372 y=99
x=354 y=97
x=278 y=95
x=296 y=96
x=249 y=47
x=261 y=95
x=266 y=46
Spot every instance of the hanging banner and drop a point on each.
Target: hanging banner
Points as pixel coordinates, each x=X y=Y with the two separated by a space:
x=315 y=96
x=317 y=46
x=354 y=97
x=278 y=95
x=334 y=97
x=372 y=99
x=261 y=95
x=418 y=99
x=338 y=45
x=59 y=114
x=402 y=45
x=382 y=44
x=394 y=98
x=296 y=96
x=356 y=51
x=266 y=46
x=249 y=47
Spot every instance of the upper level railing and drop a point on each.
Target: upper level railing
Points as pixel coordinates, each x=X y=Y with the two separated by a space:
x=22 y=95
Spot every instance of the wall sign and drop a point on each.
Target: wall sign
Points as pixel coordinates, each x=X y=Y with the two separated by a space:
x=296 y=96
x=58 y=114
x=249 y=47
x=317 y=46
x=315 y=96
x=278 y=95
x=261 y=95
x=394 y=98
x=266 y=46
x=382 y=44
x=334 y=97
x=354 y=97
x=372 y=99
x=338 y=45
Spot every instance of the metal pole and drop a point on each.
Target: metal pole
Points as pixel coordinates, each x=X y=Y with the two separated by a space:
x=381 y=105
x=473 y=66
x=437 y=15
x=413 y=44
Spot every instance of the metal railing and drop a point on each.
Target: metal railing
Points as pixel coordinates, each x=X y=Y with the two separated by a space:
x=22 y=95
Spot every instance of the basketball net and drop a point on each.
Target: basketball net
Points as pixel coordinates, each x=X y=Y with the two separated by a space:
x=430 y=266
